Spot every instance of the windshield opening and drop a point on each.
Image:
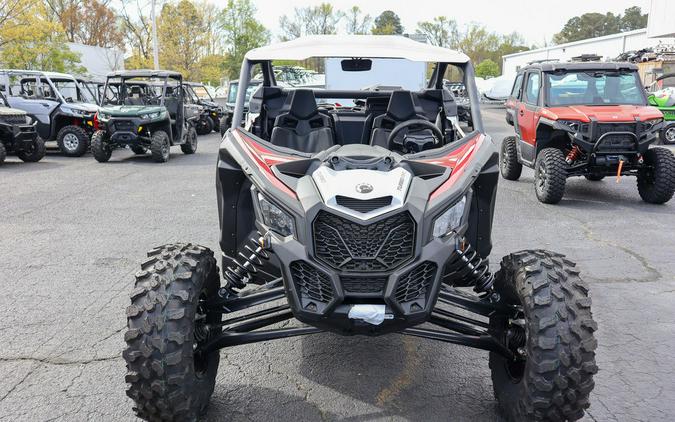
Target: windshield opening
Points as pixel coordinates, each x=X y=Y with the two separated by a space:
x=139 y=91
x=70 y=90
x=202 y=93
x=234 y=88
x=594 y=88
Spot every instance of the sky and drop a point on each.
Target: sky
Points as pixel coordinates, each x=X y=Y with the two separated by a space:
x=537 y=20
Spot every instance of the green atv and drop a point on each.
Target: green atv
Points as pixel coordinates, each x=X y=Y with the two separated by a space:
x=664 y=99
x=144 y=110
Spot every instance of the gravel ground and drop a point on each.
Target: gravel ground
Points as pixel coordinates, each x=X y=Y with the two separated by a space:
x=73 y=231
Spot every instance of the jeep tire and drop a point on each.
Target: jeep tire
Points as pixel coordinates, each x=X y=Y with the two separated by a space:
x=508 y=163
x=36 y=152
x=73 y=141
x=160 y=146
x=99 y=147
x=554 y=375
x=550 y=175
x=204 y=125
x=167 y=380
x=190 y=145
x=656 y=180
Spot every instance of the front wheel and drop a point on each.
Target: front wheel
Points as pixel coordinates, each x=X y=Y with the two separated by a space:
x=204 y=125
x=508 y=163
x=99 y=147
x=73 y=141
x=190 y=145
x=167 y=322
x=550 y=175
x=160 y=146
x=656 y=180
x=551 y=331
x=35 y=152
x=668 y=134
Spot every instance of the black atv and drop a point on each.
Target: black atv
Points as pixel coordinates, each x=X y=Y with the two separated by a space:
x=144 y=110
x=18 y=135
x=63 y=110
x=388 y=236
x=209 y=120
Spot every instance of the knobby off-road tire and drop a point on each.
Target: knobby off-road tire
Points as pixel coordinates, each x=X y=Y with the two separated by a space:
x=594 y=177
x=554 y=382
x=73 y=141
x=205 y=126
x=223 y=125
x=138 y=150
x=3 y=153
x=550 y=175
x=166 y=380
x=160 y=146
x=99 y=147
x=216 y=124
x=656 y=182
x=36 y=153
x=508 y=163
x=190 y=145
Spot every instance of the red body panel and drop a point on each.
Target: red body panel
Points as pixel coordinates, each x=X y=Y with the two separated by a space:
x=605 y=114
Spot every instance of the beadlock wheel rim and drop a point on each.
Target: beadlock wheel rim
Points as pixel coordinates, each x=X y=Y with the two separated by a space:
x=670 y=134
x=70 y=141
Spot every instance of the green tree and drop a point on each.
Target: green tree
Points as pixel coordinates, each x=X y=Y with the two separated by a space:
x=591 y=25
x=388 y=23
x=487 y=68
x=441 y=31
x=357 y=22
x=312 y=20
x=241 y=33
x=180 y=30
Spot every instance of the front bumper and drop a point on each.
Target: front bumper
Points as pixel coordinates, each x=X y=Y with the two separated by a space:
x=126 y=132
x=20 y=137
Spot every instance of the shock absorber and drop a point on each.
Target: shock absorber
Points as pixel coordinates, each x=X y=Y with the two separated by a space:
x=246 y=263
x=469 y=269
x=573 y=155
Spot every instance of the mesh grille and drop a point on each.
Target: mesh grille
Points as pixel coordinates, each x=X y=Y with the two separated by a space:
x=349 y=246
x=124 y=125
x=363 y=205
x=363 y=284
x=14 y=119
x=415 y=282
x=311 y=282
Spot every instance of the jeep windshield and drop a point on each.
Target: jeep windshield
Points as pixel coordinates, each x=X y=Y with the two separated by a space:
x=594 y=87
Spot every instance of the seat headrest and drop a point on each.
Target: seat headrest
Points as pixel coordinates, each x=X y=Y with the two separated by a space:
x=401 y=105
x=303 y=103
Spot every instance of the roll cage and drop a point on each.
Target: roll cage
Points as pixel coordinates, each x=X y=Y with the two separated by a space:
x=169 y=83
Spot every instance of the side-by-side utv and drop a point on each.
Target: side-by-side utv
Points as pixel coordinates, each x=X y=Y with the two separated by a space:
x=358 y=220
x=144 y=110
x=18 y=135
x=209 y=120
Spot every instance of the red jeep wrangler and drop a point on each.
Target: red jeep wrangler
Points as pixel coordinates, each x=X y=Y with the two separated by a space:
x=585 y=119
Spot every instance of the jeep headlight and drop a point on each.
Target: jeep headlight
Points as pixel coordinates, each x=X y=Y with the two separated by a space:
x=275 y=218
x=450 y=220
x=150 y=116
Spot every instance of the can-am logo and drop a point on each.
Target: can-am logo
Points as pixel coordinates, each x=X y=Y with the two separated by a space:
x=364 y=188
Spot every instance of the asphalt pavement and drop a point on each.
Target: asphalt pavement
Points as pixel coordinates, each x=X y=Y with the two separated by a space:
x=73 y=232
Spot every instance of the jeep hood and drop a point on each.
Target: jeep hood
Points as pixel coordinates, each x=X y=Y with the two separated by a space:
x=7 y=111
x=130 y=110
x=606 y=114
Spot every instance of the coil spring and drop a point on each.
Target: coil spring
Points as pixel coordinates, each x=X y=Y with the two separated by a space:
x=516 y=337
x=573 y=155
x=470 y=269
x=245 y=265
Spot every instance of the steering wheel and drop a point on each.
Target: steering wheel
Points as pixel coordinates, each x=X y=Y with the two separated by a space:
x=420 y=124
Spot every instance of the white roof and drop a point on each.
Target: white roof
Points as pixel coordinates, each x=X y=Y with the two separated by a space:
x=357 y=46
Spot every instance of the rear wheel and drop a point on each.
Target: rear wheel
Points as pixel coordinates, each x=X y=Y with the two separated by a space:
x=35 y=153
x=550 y=175
x=552 y=334
x=508 y=164
x=668 y=134
x=204 y=125
x=160 y=146
x=3 y=153
x=166 y=322
x=99 y=147
x=73 y=141
x=594 y=177
x=190 y=145
x=656 y=180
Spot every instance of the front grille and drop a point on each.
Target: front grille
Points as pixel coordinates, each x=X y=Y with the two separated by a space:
x=124 y=125
x=603 y=128
x=348 y=246
x=363 y=284
x=311 y=283
x=13 y=119
x=363 y=205
x=414 y=283
x=618 y=142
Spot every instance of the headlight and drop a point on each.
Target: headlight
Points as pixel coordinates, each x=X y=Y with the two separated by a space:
x=450 y=219
x=29 y=120
x=275 y=218
x=575 y=125
x=103 y=116
x=649 y=124
x=74 y=111
x=149 y=116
